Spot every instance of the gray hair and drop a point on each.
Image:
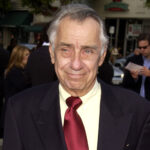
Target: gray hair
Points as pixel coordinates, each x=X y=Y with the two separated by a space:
x=76 y=12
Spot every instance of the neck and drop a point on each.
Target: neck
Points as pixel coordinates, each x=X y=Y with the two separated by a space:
x=79 y=92
x=148 y=57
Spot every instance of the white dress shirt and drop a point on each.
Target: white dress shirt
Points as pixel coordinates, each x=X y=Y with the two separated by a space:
x=146 y=64
x=89 y=112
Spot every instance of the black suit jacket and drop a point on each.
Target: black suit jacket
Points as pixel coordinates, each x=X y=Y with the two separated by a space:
x=130 y=83
x=4 y=58
x=33 y=120
x=39 y=68
x=15 y=82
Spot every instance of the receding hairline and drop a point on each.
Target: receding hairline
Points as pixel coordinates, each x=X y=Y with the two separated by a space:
x=78 y=20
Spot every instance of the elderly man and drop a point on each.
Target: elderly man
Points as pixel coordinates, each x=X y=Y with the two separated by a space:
x=77 y=112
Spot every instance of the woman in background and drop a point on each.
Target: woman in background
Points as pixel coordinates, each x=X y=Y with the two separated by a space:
x=15 y=77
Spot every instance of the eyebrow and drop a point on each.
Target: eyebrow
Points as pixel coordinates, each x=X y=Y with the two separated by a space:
x=89 y=47
x=65 y=44
x=82 y=47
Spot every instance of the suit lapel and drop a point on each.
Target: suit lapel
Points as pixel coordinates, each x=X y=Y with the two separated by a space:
x=114 y=124
x=113 y=127
x=48 y=121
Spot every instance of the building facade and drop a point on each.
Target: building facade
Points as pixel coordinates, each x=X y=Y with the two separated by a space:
x=127 y=22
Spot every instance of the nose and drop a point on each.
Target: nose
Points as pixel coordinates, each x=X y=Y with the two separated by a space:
x=76 y=62
x=142 y=49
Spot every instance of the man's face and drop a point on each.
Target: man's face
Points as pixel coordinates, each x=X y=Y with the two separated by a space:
x=77 y=55
x=144 y=48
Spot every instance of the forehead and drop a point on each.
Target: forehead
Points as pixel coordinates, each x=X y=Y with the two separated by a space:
x=143 y=42
x=71 y=30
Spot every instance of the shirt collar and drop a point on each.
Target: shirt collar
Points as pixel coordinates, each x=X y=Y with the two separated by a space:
x=64 y=94
x=145 y=59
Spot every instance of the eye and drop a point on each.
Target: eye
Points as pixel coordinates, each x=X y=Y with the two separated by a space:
x=65 y=52
x=88 y=51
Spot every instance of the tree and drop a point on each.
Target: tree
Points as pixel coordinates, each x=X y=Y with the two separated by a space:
x=147 y=3
x=44 y=6
x=5 y=6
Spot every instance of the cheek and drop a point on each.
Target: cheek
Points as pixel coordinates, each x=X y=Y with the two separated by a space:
x=26 y=58
x=91 y=70
x=92 y=65
x=61 y=63
x=61 y=68
x=94 y=69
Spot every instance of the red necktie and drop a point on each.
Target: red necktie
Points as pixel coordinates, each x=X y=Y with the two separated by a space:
x=74 y=131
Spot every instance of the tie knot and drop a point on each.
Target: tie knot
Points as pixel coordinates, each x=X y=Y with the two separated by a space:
x=73 y=102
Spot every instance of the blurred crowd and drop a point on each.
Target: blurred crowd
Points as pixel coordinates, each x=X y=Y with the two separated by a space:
x=22 y=68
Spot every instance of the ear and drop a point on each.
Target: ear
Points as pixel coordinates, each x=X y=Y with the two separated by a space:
x=102 y=58
x=51 y=51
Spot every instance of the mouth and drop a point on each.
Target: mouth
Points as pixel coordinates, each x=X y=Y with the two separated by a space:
x=75 y=76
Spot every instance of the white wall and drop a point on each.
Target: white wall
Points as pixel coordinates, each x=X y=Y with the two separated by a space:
x=136 y=8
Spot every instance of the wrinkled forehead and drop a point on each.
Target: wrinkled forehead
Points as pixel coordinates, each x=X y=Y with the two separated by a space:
x=86 y=29
x=87 y=22
x=78 y=35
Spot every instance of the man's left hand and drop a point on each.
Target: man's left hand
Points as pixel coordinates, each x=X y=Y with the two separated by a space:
x=145 y=71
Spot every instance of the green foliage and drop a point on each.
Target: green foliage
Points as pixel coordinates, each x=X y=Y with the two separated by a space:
x=37 y=5
x=5 y=5
x=43 y=6
x=147 y=3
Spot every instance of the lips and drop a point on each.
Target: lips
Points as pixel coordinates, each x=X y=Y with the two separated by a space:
x=75 y=76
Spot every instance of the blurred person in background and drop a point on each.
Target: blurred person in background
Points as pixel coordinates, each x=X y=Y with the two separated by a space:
x=13 y=43
x=39 y=68
x=4 y=58
x=139 y=81
x=105 y=71
x=136 y=51
x=15 y=77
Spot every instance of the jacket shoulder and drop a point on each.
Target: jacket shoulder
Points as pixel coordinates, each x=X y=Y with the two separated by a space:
x=34 y=96
x=124 y=99
x=135 y=59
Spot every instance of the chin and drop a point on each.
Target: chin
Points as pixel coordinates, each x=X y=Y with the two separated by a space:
x=75 y=86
